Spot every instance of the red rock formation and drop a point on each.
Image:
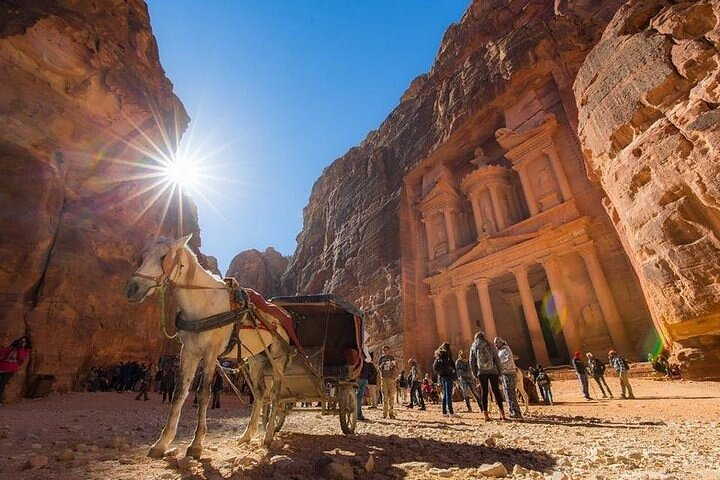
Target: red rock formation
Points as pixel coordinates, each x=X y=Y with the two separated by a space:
x=648 y=99
x=351 y=240
x=83 y=100
x=260 y=271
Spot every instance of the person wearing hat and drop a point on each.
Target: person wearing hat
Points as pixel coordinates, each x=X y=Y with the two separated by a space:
x=596 y=368
x=581 y=372
x=622 y=368
x=415 y=382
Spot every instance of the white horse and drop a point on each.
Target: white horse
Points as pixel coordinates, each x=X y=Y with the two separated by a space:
x=200 y=296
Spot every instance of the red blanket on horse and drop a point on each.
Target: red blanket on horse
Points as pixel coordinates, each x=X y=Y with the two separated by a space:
x=277 y=312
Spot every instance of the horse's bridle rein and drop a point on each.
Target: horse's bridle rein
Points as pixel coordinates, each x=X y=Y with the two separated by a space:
x=168 y=266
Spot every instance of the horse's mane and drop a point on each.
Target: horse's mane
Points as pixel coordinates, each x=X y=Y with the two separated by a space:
x=167 y=241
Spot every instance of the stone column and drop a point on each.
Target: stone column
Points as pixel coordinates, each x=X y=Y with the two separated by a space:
x=429 y=237
x=559 y=173
x=531 y=317
x=497 y=207
x=449 y=229
x=528 y=191
x=440 y=318
x=483 y=285
x=569 y=329
x=465 y=322
x=477 y=214
x=614 y=323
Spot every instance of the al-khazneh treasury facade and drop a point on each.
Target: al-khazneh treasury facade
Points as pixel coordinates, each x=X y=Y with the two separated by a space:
x=511 y=237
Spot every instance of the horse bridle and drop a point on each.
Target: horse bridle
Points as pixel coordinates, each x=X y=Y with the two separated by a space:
x=167 y=268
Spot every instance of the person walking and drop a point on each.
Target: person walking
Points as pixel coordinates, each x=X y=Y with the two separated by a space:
x=465 y=380
x=388 y=372
x=508 y=376
x=444 y=368
x=372 y=382
x=581 y=372
x=596 y=368
x=167 y=384
x=216 y=389
x=542 y=379
x=485 y=365
x=362 y=386
x=144 y=383
x=11 y=357
x=401 y=388
x=415 y=383
x=622 y=368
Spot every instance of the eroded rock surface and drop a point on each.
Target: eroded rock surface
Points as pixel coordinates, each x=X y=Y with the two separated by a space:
x=648 y=99
x=260 y=271
x=84 y=107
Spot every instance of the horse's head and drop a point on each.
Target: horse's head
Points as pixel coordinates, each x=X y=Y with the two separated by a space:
x=158 y=263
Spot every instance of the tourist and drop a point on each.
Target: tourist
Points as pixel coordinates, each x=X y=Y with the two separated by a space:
x=362 y=385
x=622 y=368
x=581 y=372
x=485 y=365
x=508 y=376
x=416 y=396
x=401 y=388
x=596 y=368
x=465 y=380
x=444 y=368
x=144 y=383
x=388 y=371
x=11 y=357
x=542 y=379
x=216 y=388
x=428 y=389
x=372 y=382
x=167 y=384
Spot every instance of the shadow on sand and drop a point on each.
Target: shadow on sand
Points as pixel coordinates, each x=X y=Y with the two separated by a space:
x=311 y=453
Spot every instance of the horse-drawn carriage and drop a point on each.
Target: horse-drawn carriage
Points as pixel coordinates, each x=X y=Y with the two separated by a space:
x=329 y=330
x=297 y=349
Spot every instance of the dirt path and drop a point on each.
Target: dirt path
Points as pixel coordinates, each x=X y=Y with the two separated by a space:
x=670 y=432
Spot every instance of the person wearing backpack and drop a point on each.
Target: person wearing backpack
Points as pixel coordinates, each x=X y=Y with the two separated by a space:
x=622 y=367
x=444 y=368
x=596 y=368
x=485 y=365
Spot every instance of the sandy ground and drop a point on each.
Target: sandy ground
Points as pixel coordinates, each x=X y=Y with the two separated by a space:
x=671 y=431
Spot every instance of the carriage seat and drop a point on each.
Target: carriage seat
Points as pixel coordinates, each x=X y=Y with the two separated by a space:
x=279 y=313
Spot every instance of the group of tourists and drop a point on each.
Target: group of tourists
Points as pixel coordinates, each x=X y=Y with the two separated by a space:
x=488 y=372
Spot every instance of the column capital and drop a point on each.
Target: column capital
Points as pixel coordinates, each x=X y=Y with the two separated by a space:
x=459 y=289
x=521 y=269
x=548 y=260
x=587 y=248
x=483 y=281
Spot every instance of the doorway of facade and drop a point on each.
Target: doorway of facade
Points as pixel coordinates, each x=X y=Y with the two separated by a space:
x=553 y=336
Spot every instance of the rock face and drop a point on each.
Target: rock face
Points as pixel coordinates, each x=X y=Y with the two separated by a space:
x=353 y=229
x=260 y=271
x=648 y=97
x=85 y=107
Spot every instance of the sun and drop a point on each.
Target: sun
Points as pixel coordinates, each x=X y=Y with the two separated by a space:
x=181 y=171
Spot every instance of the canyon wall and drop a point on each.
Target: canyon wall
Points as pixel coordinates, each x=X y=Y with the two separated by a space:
x=648 y=99
x=351 y=239
x=85 y=107
x=261 y=271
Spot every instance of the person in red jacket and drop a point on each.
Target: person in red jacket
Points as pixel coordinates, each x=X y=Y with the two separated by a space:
x=11 y=357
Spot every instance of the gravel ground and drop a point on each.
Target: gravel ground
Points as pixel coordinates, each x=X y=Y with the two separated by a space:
x=670 y=431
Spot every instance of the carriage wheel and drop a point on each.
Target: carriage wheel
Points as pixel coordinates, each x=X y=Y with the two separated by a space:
x=279 y=416
x=348 y=409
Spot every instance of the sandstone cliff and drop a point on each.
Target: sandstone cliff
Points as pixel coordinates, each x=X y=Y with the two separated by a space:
x=648 y=99
x=352 y=232
x=260 y=271
x=84 y=106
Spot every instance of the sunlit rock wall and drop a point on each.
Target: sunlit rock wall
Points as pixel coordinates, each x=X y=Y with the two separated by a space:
x=648 y=98
x=260 y=271
x=350 y=243
x=84 y=105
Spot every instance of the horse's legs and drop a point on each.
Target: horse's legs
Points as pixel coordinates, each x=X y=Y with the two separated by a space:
x=257 y=380
x=188 y=364
x=274 y=399
x=203 y=396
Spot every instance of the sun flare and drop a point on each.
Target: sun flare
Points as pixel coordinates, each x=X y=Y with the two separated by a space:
x=181 y=172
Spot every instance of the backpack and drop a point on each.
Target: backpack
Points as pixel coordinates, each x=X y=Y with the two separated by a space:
x=485 y=360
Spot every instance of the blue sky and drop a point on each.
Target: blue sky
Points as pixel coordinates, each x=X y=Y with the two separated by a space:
x=278 y=90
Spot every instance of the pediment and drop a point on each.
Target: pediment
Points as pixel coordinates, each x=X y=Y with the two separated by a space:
x=489 y=245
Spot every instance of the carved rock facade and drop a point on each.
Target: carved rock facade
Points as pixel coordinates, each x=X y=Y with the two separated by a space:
x=83 y=101
x=648 y=97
